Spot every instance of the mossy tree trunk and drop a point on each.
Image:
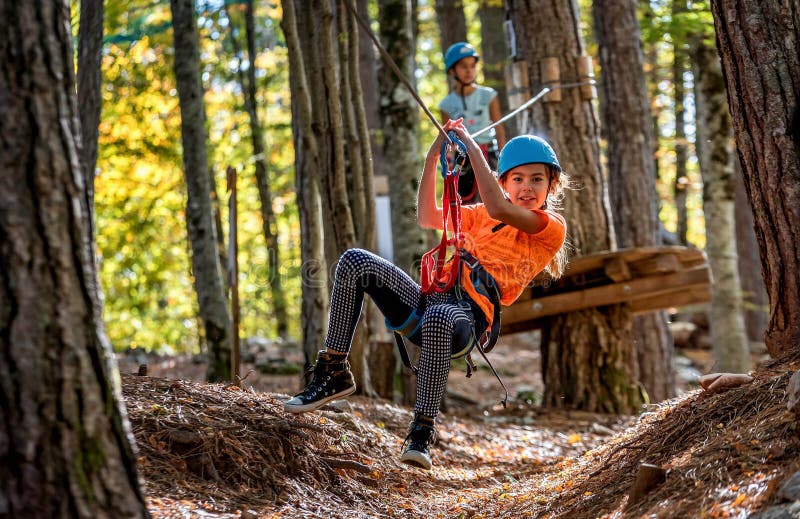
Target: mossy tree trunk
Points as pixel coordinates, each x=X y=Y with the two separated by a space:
x=627 y=125
x=66 y=449
x=206 y=269
x=758 y=43
x=549 y=28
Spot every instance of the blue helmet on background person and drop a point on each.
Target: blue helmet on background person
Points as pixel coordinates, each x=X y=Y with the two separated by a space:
x=458 y=51
x=526 y=149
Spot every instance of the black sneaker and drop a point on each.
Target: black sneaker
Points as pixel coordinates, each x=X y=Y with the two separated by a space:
x=332 y=379
x=421 y=433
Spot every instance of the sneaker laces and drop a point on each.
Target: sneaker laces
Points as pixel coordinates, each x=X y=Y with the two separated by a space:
x=318 y=372
x=417 y=434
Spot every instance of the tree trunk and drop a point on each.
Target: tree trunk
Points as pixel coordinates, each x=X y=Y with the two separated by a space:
x=268 y=221
x=452 y=24
x=199 y=215
x=493 y=54
x=315 y=279
x=368 y=71
x=728 y=339
x=65 y=442
x=90 y=48
x=681 y=148
x=627 y=123
x=400 y=121
x=329 y=113
x=760 y=51
x=380 y=358
x=549 y=28
x=652 y=75
x=754 y=295
x=358 y=175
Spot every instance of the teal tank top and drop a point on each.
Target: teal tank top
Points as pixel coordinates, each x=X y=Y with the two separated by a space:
x=476 y=115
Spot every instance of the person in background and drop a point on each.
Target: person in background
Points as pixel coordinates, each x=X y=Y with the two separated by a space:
x=477 y=105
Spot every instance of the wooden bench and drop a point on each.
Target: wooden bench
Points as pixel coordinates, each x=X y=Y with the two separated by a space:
x=646 y=278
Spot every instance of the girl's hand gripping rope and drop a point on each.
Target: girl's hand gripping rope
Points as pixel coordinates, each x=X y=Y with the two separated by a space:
x=453 y=147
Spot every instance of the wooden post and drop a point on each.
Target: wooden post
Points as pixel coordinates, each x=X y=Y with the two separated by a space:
x=233 y=272
x=551 y=76
x=517 y=84
x=585 y=74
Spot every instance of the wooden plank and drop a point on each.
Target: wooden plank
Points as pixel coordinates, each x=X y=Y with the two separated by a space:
x=677 y=298
x=688 y=257
x=659 y=264
x=615 y=293
x=380 y=184
x=617 y=269
x=518 y=84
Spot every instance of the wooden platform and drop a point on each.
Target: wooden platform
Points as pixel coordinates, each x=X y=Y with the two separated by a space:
x=646 y=278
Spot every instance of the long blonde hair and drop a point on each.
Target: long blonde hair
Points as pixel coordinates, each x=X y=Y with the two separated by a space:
x=554 y=201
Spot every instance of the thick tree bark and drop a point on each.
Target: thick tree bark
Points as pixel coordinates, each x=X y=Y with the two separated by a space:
x=65 y=442
x=627 y=123
x=728 y=339
x=452 y=23
x=681 y=147
x=549 y=28
x=199 y=215
x=589 y=362
x=760 y=50
x=268 y=221
x=754 y=295
x=493 y=54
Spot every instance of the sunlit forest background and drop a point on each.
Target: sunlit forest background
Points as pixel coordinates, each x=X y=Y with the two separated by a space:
x=140 y=189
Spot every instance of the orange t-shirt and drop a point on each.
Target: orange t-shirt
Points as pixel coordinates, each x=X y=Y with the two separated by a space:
x=513 y=257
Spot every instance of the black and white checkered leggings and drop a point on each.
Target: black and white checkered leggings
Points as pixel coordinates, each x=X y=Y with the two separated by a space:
x=396 y=295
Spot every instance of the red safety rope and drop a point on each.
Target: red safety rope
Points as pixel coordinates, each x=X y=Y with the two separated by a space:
x=433 y=276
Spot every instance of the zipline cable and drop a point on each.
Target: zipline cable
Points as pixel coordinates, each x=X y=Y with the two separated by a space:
x=531 y=101
x=395 y=68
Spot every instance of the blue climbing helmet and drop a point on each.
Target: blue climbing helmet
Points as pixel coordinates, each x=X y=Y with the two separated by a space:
x=458 y=51
x=526 y=149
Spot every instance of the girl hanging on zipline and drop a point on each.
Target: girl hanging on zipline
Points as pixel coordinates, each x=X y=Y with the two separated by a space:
x=478 y=105
x=502 y=244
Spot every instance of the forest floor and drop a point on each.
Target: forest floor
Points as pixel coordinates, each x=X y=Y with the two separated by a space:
x=218 y=451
